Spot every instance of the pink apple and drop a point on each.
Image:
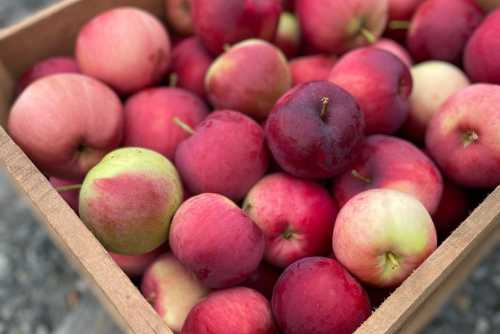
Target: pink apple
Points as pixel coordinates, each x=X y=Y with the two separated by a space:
x=463 y=137
x=263 y=279
x=66 y=123
x=219 y=23
x=333 y=26
x=433 y=83
x=288 y=35
x=431 y=36
x=178 y=15
x=391 y=163
x=295 y=215
x=237 y=310
x=150 y=115
x=317 y=295
x=380 y=82
x=216 y=240
x=70 y=196
x=483 y=50
x=136 y=265
x=172 y=290
x=311 y=68
x=125 y=47
x=381 y=236
x=396 y=49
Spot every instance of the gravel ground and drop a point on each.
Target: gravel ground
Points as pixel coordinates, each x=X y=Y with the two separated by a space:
x=39 y=290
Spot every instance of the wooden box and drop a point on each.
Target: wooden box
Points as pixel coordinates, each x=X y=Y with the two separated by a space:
x=52 y=32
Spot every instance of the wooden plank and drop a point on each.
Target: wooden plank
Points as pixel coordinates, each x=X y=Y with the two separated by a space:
x=409 y=298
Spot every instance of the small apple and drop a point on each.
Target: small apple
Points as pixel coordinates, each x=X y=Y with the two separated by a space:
x=311 y=68
x=178 y=15
x=135 y=265
x=396 y=49
x=288 y=35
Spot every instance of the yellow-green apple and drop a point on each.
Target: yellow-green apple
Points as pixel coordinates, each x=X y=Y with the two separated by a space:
x=46 y=67
x=219 y=22
x=394 y=48
x=314 y=130
x=333 y=26
x=136 y=265
x=237 y=310
x=317 y=295
x=125 y=47
x=381 y=236
x=263 y=279
x=172 y=290
x=66 y=123
x=295 y=215
x=463 y=136
x=311 y=68
x=190 y=63
x=488 y=5
x=410 y=171
x=250 y=77
x=380 y=82
x=433 y=83
x=216 y=240
x=483 y=50
x=178 y=15
x=226 y=154
x=129 y=198
x=288 y=35
x=431 y=36
x=150 y=115
x=68 y=189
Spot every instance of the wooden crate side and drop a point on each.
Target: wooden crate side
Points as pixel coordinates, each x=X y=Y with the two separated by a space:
x=439 y=270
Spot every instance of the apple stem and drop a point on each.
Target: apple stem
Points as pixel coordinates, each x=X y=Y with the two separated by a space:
x=399 y=25
x=288 y=233
x=392 y=260
x=183 y=125
x=470 y=137
x=172 y=82
x=324 y=108
x=358 y=176
x=71 y=187
x=368 y=35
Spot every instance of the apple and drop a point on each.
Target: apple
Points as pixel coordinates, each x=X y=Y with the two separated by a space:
x=463 y=136
x=431 y=36
x=46 y=67
x=178 y=15
x=125 y=47
x=128 y=199
x=237 y=310
x=250 y=77
x=381 y=84
x=317 y=295
x=150 y=114
x=311 y=68
x=391 y=163
x=288 y=35
x=136 y=265
x=66 y=123
x=483 y=50
x=381 y=236
x=488 y=5
x=226 y=154
x=172 y=290
x=403 y=9
x=263 y=279
x=219 y=23
x=396 y=49
x=190 y=63
x=68 y=189
x=314 y=130
x=216 y=240
x=295 y=215
x=433 y=83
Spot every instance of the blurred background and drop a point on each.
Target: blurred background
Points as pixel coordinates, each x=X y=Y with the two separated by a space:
x=40 y=293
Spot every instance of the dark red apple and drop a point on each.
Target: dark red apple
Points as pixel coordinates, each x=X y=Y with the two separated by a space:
x=263 y=279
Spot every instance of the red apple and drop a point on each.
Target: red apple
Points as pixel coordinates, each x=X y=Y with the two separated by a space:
x=125 y=47
x=71 y=196
x=219 y=23
x=311 y=68
x=178 y=15
x=136 y=265
x=333 y=26
x=237 y=310
x=463 y=136
x=216 y=240
x=391 y=163
x=150 y=115
x=316 y=295
x=295 y=215
x=380 y=82
x=288 y=35
x=250 y=77
x=263 y=279
x=400 y=11
x=314 y=130
x=66 y=123
x=483 y=50
x=396 y=49
x=381 y=236
x=431 y=36
x=226 y=154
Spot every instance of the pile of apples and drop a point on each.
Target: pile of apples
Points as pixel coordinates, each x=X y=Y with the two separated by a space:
x=282 y=163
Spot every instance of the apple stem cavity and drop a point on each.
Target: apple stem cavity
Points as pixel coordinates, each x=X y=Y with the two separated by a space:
x=358 y=176
x=368 y=35
x=183 y=125
x=288 y=233
x=399 y=25
x=392 y=259
x=469 y=137
x=172 y=82
x=69 y=188
x=324 y=108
